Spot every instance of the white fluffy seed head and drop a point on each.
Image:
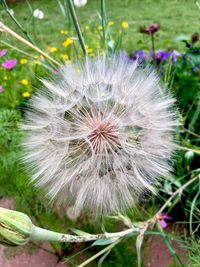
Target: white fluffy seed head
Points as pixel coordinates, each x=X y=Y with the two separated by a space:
x=99 y=134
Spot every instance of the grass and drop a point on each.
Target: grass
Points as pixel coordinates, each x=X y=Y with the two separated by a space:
x=176 y=17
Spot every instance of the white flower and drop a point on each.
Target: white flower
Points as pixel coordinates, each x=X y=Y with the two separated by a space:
x=99 y=134
x=38 y=14
x=80 y=3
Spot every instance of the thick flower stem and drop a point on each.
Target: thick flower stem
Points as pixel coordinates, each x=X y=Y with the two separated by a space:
x=40 y=234
x=77 y=26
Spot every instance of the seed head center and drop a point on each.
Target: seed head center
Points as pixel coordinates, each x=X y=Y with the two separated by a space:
x=103 y=133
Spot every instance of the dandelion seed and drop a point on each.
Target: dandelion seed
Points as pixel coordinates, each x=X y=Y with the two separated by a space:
x=100 y=134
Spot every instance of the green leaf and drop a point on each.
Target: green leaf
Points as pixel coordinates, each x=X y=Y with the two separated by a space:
x=103 y=258
x=79 y=232
x=105 y=241
x=139 y=241
x=182 y=38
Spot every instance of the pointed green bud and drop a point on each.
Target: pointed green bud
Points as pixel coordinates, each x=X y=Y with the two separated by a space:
x=15 y=227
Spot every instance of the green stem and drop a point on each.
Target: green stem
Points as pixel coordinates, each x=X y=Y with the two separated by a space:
x=41 y=234
x=18 y=24
x=76 y=25
x=169 y=246
x=179 y=190
x=103 y=20
x=153 y=47
x=99 y=253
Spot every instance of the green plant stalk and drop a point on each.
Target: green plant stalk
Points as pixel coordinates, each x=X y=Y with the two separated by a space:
x=179 y=190
x=4 y=28
x=18 y=24
x=41 y=234
x=195 y=117
x=153 y=47
x=169 y=246
x=99 y=253
x=103 y=20
x=76 y=25
x=192 y=209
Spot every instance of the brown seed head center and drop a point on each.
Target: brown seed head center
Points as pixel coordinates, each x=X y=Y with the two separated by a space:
x=103 y=133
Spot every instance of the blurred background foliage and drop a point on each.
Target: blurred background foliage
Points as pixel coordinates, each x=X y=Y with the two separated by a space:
x=55 y=34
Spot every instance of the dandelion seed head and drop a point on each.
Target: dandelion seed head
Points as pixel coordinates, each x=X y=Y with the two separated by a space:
x=99 y=134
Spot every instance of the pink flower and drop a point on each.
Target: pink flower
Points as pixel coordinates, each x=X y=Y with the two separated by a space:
x=3 y=52
x=1 y=88
x=161 y=218
x=9 y=64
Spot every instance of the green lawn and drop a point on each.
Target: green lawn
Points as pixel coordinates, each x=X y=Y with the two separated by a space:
x=176 y=17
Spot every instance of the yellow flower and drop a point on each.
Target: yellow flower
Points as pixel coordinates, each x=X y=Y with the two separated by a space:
x=67 y=42
x=64 y=32
x=53 y=49
x=36 y=62
x=98 y=46
x=100 y=28
x=124 y=25
x=26 y=94
x=110 y=23
x=92 y=54
x=5 y=78
x=24 y=82
x=87 y=27
x=64 y=57
x=41 y=57
x=23 y=61
x=89 y=50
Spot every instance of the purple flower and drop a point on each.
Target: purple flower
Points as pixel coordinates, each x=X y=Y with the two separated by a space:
x=124 y=55
x=9 y=64
x=162 y=55
x=3 y=52
x=161 y=219
x=1 y=88
x=175 y=54
x=140 y=55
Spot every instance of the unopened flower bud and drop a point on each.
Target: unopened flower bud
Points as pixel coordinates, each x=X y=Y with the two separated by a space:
x=15 y=227
x=195 y=37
